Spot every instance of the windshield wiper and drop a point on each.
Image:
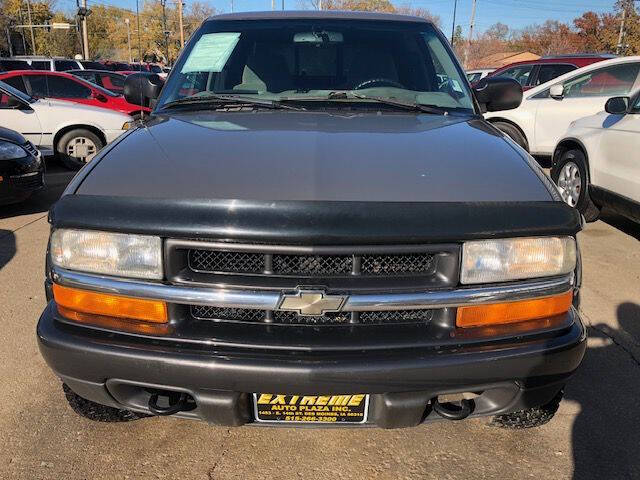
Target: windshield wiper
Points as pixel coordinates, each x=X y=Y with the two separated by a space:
x=235 y=100
x=351 y=96
x=432 y=109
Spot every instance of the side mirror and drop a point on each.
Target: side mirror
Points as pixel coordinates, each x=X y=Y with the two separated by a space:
x=141 y=88
x=498 y=93
x=617 y=105
x=98 y=96
x=557 y=91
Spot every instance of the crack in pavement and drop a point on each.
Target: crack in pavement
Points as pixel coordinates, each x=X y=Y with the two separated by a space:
x=23 y=226
x=615 y=340
x=225 y=449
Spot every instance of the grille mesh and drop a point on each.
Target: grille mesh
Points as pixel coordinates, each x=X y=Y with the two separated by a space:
x=421 y=263
x=372 y=265
x=217 y=261
x=292 y=318
x=312 y=264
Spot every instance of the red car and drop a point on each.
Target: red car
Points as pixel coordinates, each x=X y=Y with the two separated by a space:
x=532 y=73
x=41 y=83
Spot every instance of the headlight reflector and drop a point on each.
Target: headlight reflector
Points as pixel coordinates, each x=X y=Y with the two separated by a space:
x=118 y=254
x=11 y=151
x=502 y=260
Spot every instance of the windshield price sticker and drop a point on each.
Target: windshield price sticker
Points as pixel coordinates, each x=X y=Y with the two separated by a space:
x=277 y=408
x=211 y=52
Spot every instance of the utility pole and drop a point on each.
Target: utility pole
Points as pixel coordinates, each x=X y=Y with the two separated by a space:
x=620 y=46
x=231 y=6
x=139 y=38
x=164 y=30
x=471 y=25
x=33 y=37
x=282 y=4
x=181 y=25
x=126 y=20
x=453 y=28
x=85 y=36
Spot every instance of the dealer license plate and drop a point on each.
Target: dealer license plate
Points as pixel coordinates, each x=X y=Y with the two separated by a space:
x=275 y=408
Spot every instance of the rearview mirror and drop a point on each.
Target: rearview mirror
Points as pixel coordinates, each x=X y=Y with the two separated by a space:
x=142 y=88
x=498 y=93
x=557 y=91
x=617 y=105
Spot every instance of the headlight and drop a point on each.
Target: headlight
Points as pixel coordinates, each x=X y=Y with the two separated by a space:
x=487 y=261
x=11 y=151
x=119 y=254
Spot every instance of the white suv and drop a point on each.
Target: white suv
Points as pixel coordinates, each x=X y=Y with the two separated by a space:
x=76 y=132
x=548 y=109
x=597 y=162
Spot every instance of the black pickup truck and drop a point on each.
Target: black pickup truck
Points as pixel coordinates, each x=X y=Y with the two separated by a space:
x=316 y=226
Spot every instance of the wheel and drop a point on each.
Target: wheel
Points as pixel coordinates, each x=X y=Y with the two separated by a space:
x=513 y=133
x=529 y=418
x=570 y=175
x=78 y=147
x=96 y=412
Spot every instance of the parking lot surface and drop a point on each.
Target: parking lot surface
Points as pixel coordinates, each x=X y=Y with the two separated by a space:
x=596 y=433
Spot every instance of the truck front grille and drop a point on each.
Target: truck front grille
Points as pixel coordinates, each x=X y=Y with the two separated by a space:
x=281 y=317
x=214 y=261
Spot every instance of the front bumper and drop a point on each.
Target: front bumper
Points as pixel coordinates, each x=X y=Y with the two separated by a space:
x=118 y=370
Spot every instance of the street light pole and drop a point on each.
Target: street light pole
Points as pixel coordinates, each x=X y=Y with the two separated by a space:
x=139 y=40
x=164 y=30
x=33 y=37
x=126 y=20
x=85 y=35
x=453 y=28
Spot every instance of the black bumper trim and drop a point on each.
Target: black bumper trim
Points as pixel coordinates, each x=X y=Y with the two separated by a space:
x=220 y=383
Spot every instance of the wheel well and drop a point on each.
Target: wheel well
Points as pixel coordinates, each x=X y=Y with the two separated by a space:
x=566 y=145
x=66 y=129
x=513 y=124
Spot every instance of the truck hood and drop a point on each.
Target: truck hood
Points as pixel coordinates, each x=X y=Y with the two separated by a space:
x=311 y=156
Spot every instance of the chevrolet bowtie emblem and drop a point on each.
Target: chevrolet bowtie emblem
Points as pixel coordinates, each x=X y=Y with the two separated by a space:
x=311 y=302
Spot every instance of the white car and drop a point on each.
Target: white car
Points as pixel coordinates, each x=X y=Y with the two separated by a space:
x=53 y=64
x=547 y=110
x=76 y=132
x=478 y=74
x=597 y=162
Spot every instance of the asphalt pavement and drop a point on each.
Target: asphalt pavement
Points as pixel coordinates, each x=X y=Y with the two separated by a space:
x=596 y=433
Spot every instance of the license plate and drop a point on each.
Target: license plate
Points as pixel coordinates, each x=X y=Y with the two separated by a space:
x=275 y=408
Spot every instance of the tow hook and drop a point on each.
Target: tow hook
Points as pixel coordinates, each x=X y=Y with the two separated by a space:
x=451 y=411
x=177 y=403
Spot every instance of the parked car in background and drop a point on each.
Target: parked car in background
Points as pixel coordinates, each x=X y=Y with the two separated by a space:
x=478 y=74
x=597 y=162
x=112 y=81
x=91 y=65
x=116 y=66
x=65 y=86
x=547 y=110
x=21 y=167
x=75 y=132
x=9 y=64
x=53 y=64
x=532 y=73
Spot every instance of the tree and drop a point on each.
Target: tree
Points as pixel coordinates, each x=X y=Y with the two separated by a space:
x=498 y=31
x=420 y=12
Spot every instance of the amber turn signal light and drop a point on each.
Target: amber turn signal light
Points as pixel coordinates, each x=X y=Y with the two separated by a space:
x=513 y=312
x=111 y=311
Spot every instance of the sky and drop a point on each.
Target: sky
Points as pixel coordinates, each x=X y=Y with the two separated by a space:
x=515 y=13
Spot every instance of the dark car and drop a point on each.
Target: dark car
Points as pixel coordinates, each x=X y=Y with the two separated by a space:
x=316 y=226
x=532 y=73
x=21 y=167
x=112 y=81
x=8 y=65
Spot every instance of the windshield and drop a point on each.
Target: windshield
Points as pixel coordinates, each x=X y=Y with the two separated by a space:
x=14 y=92
x=312 y=59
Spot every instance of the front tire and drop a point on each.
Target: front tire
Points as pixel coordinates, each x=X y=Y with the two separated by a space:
x=78 y=147
x=513 y=132
x=529 y=418
x=571 y=177
x=96 y=412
